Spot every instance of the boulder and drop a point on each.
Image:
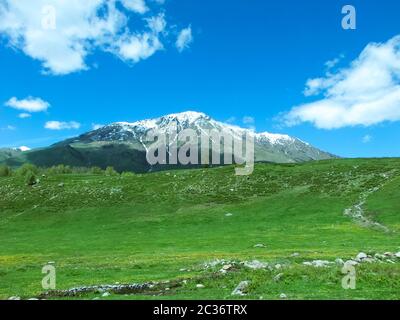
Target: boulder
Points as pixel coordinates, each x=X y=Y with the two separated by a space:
x=240 y=290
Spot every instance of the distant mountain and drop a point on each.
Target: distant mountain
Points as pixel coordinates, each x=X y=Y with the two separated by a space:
x=123 y=145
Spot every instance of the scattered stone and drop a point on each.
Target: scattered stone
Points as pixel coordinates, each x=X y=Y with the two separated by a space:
x=105 y=294
x=339 y=261
x=278 y=277
x=283 y=296
x=14 y=298
x=317 y=263
x=182 y=270
x=200 y=286
x=228 y=215
x=259 y=245
x=351 y=263
x=33 y=299
x=278 y=266
x=361 y=256
x=255 y=265
x=379 y=256
x=167 y=289
x=61 y=184
x=397 y=254
x=240 y=290
x=296 y=254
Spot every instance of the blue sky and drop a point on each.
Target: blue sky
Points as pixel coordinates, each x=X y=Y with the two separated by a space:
x=239 y=59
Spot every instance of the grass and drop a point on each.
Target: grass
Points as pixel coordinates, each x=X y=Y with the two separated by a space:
x=102 y=230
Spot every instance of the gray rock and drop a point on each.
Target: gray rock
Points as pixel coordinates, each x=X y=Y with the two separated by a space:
x=259 y=245
x=14 y=298
x=278 y=277
x=255 y=265
x=283 y=296
x=240 y=290
x=200 y=286
x=361 y=256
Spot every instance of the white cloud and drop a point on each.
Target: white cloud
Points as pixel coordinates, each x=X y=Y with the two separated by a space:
x=24 y=115
x=29 y=104
x=9 y=128
x=248 y=120
x=139 y=47
x=138 y=6
x=62 y=34
x=367 y=138
x=365 y=93
x=185 y=38
x=24 y=148
x=96 y=126
x=60 y=125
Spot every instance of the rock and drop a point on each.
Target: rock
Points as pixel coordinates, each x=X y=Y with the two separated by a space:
x=321 y=263
x=255 y=265
x=228 y=215
x=361 y=256
x=14 y=298
x=388 y=254
x=296 y=254
x=200 y=286
x=278 y=266
x=61 y=184
x=259 y=245
x=351 y=263
x=33 y=299
x=167 y=289
x=283 y=296
x=182 y=270
x=339 y=261
x=397 y=254
x=226 y=268
x=278 y=277
x=317 y=263
x=105 y=294
x=240 y=290
x=379 y=256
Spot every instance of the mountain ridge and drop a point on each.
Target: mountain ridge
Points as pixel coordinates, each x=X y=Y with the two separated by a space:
x=123 y=145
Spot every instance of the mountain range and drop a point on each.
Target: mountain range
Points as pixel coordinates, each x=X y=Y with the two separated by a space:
x=123 y=145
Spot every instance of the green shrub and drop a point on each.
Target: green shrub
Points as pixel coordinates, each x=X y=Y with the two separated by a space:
x=5 y=171
x=110 y=171
x=96 y=170
x=27 y=167
x=127 y=174
x=30 y=178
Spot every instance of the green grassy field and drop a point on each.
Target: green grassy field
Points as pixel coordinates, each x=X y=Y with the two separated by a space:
x=164 y=227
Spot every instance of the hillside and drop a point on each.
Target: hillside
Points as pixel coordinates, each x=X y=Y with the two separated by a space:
x=173 y=231
x=123 y=145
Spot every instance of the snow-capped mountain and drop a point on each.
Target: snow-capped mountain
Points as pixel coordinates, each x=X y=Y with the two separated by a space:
x=268 y=146
x=123 y=145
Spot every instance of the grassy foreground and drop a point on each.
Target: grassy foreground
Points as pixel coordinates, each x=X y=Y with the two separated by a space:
x=172 y=227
